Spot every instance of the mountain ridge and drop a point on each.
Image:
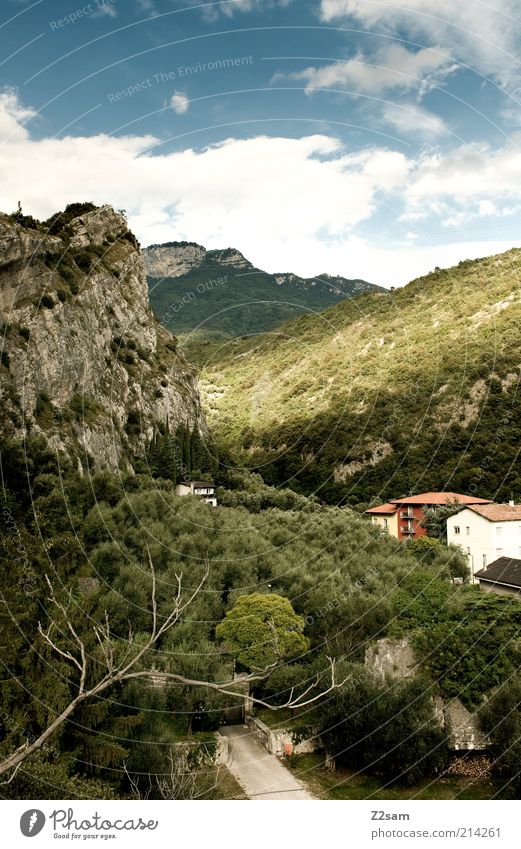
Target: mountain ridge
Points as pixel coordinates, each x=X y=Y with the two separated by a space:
x=230 y=295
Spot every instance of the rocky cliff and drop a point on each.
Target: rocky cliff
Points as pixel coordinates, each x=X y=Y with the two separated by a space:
x=83 y=360
x=206 y=295
x=174 y=259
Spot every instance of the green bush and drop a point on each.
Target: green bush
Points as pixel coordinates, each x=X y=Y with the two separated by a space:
x=501 y=719
x=388 y=729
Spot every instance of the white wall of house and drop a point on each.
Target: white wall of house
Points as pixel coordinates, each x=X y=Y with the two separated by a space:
x=483 y=541
x=206 y=494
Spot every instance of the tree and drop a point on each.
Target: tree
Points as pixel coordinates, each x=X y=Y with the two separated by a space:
x=435 y=519
x=115 y=660
x=501 y=718
x=261 y=630
x=387 y=728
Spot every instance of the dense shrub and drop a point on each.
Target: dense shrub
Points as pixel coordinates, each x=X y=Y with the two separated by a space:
x=388 y=729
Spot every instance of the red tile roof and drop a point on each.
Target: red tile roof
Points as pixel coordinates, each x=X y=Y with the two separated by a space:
x=498 y=512
x=441 y=498
x=383 y=508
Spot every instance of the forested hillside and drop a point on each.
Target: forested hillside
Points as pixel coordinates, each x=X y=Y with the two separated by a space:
x=382 y=396
x=202 y=295
x=81 y=559
x=95 y=539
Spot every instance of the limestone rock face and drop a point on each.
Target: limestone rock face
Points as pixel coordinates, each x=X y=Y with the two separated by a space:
x=393 y=658
x=84 y=362
x=230 y=258
x=96 y=227
x=464 y=728
x=173 y=259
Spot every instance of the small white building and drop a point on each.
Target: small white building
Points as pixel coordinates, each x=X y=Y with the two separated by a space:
x=486 y=532
x=202 y=489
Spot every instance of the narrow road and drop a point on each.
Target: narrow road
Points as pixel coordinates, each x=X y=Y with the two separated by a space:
x=260 y=774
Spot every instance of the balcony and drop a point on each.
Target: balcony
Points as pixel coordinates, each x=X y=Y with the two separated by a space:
x=408 y=529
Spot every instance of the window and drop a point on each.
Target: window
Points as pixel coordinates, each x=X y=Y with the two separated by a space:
x=499 y=530
x=456 y=529
x=468 y=550
x=386 y=523
x=467 y=530
x=499 y=552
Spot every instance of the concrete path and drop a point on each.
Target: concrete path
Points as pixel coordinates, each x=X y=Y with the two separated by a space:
x=260 y=774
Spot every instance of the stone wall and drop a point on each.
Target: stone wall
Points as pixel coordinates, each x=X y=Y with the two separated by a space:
x=280 y=741
x=390 y=658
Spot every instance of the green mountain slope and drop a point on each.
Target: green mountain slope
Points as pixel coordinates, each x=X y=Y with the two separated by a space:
x=222 y=295
x=381 y=396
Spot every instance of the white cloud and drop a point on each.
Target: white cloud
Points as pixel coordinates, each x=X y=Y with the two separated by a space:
x=13 y=116
x=179 y=103
x=106 y=11
x=466 y=175
x=212 y=10
x=483 y=35
x=391 y=67
x=287 y=203
x=410 y=119
x=250 y=191
x=146 y=7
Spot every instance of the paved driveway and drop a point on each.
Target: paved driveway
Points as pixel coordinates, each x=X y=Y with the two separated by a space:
x=260 y=774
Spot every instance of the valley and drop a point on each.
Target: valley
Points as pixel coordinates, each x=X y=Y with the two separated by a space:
x=194 y=546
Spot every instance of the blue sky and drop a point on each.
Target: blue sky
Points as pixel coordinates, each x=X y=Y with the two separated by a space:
x=358 y=137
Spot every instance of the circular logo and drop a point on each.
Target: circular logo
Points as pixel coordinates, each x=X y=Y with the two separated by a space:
x=32 y=822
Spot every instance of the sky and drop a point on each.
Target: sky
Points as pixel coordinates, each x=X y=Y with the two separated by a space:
x=357 y=137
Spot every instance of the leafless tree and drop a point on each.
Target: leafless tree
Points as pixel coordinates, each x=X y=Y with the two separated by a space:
x=134 y=664
x=187 y=777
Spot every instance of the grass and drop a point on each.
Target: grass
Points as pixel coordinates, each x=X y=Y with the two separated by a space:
x=348 y=784
x=226 y=785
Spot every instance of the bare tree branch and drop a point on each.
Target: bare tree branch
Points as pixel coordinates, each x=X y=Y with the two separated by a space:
x=128 y=667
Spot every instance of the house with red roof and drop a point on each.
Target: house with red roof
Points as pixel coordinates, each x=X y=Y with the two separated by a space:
x=403 y=517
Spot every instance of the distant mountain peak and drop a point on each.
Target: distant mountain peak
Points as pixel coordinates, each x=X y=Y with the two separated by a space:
x=221 y=294
x=229 y=257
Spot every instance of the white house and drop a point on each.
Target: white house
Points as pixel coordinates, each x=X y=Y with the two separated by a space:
x=202 y=489
x=486 y=532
